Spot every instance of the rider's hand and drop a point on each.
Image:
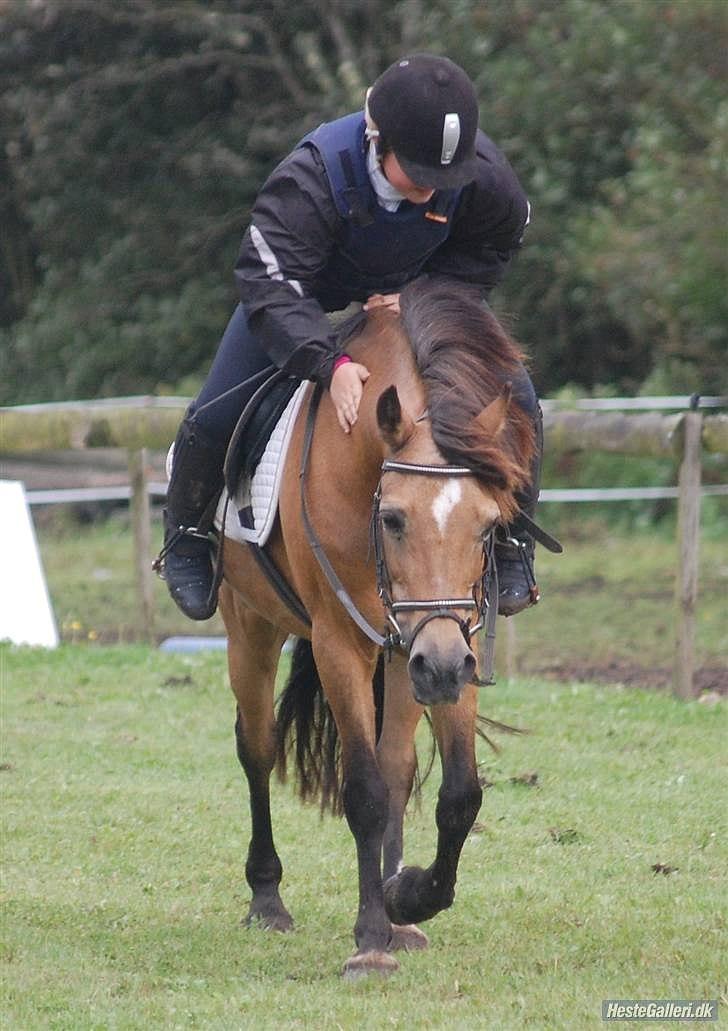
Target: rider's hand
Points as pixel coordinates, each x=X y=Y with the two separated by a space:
x=389 y=301
x=347 y=385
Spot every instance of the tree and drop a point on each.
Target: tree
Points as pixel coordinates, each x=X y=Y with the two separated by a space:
x=134 y=135
x=614 y=116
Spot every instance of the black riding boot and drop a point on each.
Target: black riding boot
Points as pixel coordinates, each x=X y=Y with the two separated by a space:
x=514 y=548
x=185 y=561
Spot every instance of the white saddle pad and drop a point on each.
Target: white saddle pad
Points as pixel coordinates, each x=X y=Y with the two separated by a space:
x=261 y=493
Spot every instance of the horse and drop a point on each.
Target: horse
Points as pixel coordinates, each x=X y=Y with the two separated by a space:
x=389 y=526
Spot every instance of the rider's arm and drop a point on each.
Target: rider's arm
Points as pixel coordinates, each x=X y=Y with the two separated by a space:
x=290 y=238
x=489 y=224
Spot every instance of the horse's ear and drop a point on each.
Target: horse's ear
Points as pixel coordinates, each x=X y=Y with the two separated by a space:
x=493 y=417
x=395 y=425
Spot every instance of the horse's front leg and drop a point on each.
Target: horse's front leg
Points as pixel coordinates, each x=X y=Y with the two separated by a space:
x=414 y=894
x=397 y=762
x=346 y=675
x=253 y=652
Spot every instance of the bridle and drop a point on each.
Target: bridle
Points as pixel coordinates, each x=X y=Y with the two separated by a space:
x=435 y=608
x=484 y=599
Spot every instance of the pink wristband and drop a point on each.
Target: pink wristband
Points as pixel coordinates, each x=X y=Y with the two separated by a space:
x=344 y=359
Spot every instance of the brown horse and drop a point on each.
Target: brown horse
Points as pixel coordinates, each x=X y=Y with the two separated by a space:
x=402 y=509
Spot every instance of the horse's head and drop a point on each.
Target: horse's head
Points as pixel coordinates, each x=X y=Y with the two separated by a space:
x=432 y=525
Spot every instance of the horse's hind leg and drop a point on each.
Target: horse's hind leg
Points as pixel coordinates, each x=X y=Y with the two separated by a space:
x=414 y=894
x=253 y=652
x=397 y=762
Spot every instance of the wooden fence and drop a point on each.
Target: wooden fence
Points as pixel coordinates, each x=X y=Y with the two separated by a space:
x=139 y=424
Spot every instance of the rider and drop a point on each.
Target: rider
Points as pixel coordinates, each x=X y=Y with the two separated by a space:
x=362 y=206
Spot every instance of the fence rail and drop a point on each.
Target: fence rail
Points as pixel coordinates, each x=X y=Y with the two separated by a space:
x=138 y=424
x=683 y=402
x=91 y=495
x=134 y=423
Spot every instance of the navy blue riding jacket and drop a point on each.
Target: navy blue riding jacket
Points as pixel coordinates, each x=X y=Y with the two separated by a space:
x=319 y=239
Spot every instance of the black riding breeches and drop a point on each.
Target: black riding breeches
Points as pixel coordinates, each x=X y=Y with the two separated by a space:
x=229 y=386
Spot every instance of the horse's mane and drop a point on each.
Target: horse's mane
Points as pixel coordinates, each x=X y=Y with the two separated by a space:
x=464 y=357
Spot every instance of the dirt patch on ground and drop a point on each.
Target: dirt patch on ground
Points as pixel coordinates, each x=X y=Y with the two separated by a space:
x=620 y=671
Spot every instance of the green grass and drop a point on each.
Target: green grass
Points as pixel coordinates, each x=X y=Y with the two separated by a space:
x=607 y=600
x=125 y=830
x=610 y=599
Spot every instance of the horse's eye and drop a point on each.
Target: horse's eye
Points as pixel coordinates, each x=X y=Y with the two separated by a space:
x=393 y=523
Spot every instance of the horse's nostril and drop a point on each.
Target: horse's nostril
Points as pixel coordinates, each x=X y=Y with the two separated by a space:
x=418 y=665
x=469 y=667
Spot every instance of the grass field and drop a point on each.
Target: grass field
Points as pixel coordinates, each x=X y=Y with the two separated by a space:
x=125 y=830
x=607 y=609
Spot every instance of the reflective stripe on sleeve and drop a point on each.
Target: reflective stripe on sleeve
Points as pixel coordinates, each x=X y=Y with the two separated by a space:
x=270 y=261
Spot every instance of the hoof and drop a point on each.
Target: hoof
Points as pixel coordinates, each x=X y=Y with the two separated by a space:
x=408 y=938
x=411 y=896
x=270 y=920
x=361 y=964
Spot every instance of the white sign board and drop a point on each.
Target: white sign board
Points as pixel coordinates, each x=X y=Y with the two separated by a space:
x=26 y=616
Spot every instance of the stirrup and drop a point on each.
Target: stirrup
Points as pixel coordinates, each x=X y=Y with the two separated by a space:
x=193 y=589
x=518 y=589
x=522 y=550
x=174 y=538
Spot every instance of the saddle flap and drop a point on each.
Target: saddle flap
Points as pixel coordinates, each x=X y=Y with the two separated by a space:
x=254 y=427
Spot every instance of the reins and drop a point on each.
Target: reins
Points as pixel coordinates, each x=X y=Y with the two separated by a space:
x=315 y=544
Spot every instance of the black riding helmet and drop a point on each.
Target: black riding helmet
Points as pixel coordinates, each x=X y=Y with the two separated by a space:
x=426 y=111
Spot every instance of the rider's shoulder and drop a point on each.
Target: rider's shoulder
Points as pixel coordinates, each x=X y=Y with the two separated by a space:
x=304 y=162
x=496 y=187
x=493 y=168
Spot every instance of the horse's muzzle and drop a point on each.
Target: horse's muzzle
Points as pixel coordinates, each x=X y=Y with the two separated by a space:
x=439 y=675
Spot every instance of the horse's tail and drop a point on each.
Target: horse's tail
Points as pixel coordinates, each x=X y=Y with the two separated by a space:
x=481 y=722
x=306 y=727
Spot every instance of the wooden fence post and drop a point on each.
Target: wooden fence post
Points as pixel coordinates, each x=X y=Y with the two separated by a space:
x=511 y=649
x=686 y=583
x=142 y=527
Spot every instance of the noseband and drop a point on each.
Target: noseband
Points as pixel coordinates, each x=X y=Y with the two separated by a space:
x=435 y=608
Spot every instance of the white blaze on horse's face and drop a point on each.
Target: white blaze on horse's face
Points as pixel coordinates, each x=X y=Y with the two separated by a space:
x=450 y=494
